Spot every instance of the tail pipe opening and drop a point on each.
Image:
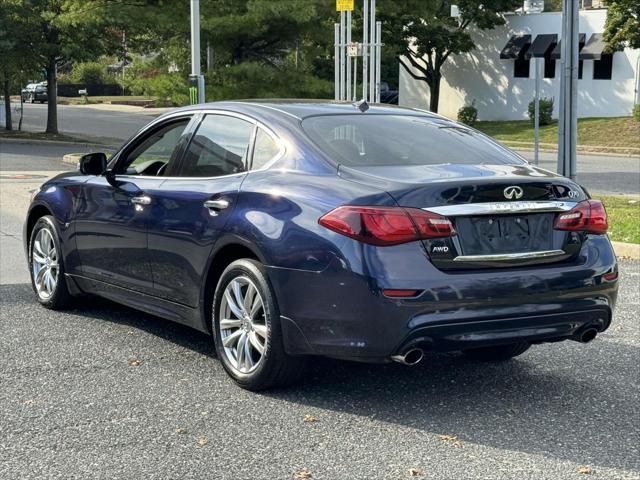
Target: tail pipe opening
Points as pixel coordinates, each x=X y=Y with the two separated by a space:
x=410 y=357
x=587 y=335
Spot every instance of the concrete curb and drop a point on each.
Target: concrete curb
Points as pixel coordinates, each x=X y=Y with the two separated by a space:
x=72 y=158
x=627 y=250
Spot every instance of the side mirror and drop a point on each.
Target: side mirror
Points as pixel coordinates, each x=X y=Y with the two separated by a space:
x=92 y=163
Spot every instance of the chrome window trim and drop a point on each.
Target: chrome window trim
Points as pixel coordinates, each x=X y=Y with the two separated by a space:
x=501 y=208
x=203 y=113
x=505 y=257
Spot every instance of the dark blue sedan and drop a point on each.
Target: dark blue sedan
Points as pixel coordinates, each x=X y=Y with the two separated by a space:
x=293 y=229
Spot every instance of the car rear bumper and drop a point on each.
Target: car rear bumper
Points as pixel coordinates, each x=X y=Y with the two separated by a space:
x=342 y=312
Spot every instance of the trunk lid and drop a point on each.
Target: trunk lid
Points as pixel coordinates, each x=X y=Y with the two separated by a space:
x=503 y=214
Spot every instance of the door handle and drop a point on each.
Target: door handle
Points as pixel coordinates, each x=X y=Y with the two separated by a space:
x=141 y=200
x=216 y=204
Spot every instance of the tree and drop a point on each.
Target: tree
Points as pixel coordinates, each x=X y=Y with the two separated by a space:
x=17 y=62
x=622 y=28
x=424 y=35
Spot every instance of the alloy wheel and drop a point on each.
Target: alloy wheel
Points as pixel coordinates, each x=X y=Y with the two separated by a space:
x=44 y=263
x=242 y=324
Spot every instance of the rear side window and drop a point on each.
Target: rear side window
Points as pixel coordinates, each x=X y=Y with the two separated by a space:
x=384 y=140
x=219 y=147
x=265 y=149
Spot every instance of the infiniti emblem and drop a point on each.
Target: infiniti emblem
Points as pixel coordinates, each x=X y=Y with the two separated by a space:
x=513 y=192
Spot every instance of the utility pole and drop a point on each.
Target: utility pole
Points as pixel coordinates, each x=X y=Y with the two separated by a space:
x=196 y=80
x=346 y=53
x=568 y=108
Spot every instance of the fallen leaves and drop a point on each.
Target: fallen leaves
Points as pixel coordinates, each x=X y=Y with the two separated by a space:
x=304 y=473
x=202 y=441
x=451 y=440
x=134 y=362
x=310 y=418
x=181 y=430
x=29 y=402
x=416 y=472
x=583 y=469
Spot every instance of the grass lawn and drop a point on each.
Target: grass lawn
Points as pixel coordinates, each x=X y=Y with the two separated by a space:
x=614 y=133
x=624 y=218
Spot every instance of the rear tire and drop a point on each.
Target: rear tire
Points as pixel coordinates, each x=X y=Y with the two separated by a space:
x=498 y=353
x=46 y=265
x=247 y=331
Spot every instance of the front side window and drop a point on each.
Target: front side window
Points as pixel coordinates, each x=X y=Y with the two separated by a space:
x=219 y=147
x=153 y=154
x=265 y=149
x=388 y=140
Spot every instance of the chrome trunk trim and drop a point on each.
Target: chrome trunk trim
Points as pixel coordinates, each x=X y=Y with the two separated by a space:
x=501 y=208
x=505 y=257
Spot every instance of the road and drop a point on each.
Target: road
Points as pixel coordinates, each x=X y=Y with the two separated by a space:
x=91 y=122
x=599 y=173
x=74 y=404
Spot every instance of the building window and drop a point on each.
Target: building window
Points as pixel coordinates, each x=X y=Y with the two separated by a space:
x=549 y=66
x=521 y=68
x=602 y=68
x=580 y=64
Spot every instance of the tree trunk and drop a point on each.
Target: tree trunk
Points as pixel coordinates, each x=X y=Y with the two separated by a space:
x=7 y=102
x=434 y=93
x=52 y=99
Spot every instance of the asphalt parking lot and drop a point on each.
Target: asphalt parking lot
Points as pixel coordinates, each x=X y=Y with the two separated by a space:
x=106 y=392
x=103 y=391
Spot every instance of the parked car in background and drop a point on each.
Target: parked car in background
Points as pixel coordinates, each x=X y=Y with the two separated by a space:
x=293 y=229
x=387 y=95
x=35 y=92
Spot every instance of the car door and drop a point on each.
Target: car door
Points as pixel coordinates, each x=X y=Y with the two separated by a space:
x=113 y=216
x=193 y=207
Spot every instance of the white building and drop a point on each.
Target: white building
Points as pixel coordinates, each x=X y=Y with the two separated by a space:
x=503 y=87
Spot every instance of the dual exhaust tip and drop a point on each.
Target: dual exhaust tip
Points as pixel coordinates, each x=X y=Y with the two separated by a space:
x=415 y=355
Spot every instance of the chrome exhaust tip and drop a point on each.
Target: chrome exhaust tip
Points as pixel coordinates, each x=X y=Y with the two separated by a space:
x=410 y=357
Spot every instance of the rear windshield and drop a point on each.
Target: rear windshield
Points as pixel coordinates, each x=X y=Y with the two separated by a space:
x=377 y=140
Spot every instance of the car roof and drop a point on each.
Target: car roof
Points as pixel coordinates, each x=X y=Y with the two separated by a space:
x=301 y=109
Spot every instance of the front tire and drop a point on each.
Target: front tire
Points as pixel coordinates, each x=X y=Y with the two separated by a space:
x=46 y=265
x=247 y=331
x=498 y=353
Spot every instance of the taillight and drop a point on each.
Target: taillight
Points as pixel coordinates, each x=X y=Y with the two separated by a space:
x=387 y=225
x=587 y=216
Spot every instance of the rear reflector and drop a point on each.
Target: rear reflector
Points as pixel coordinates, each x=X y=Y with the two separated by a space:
x=587 y=216
x=611 y=276
x=387 y=225
x=399 y=293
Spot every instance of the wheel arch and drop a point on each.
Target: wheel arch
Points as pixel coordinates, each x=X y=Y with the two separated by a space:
x=36 y=212
x=225 y=253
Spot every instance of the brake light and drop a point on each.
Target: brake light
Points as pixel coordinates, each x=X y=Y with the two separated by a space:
x=387 y=225
x=587 y=216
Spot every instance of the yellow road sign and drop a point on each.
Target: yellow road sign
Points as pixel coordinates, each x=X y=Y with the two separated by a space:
x=344 y=5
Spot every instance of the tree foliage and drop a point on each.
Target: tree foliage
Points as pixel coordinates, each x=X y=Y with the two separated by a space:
x=424 y=34
x=622 y=28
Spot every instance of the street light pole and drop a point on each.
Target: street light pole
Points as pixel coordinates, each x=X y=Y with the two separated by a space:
x=568 y=109
x=196 y=76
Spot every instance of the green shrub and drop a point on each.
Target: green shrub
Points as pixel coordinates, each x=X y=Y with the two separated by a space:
x=468 y=114
x=89 y=73
x=546 y=111
x=254 y=80
x=169 y=89
x=636 y=112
